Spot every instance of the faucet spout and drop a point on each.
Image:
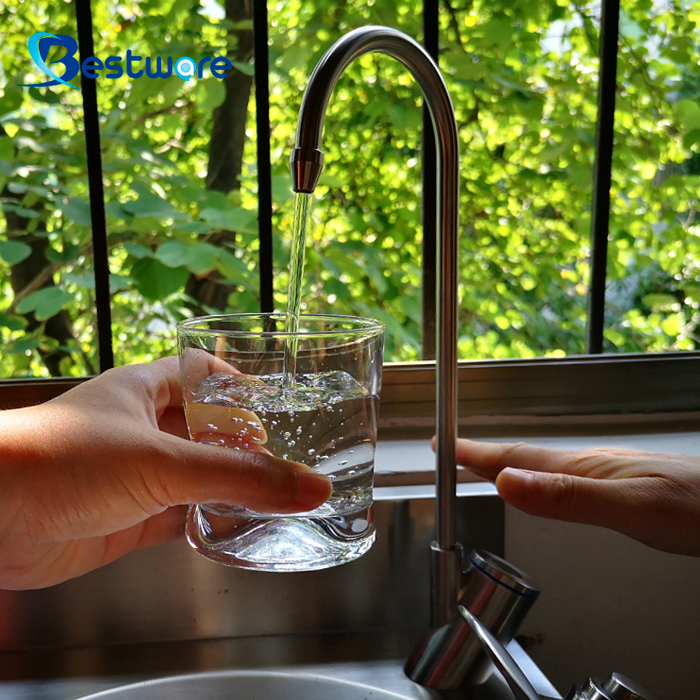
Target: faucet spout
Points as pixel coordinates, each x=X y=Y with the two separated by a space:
x=306 y=165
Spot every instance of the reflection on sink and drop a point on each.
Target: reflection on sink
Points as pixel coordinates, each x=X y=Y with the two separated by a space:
x=246 y=685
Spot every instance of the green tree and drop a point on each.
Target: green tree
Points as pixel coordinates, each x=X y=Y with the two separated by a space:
x=180 y=178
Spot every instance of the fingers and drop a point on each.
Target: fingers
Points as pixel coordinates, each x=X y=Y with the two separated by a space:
x=194 y=473
x=657 y=510
x=567 y=497
x=487 y=459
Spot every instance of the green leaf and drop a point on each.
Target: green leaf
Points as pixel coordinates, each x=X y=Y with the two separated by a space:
x=155 y=280
x=659 y=302
x=45 y=303
x=69 y=252
x=115 y=210
x=75 y=209
x=11 y=99
x=214 y=93
x=671 y=325
x=148 y=204
x=87 y=281
x=201 y=258
x=282 y=186
x=234 y=269
x=21 y=346
x=198 y=227
x=138 y=251
x=46 y=95
x=231 y=218
x=21 y=211
x=12 y=323
x=13 y=252
x=688 y=114
x=172 y=253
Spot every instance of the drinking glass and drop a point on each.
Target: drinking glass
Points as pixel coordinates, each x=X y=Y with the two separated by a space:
x=310 y=396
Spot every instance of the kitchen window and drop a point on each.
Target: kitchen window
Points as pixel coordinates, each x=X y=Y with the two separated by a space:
x=580 y=286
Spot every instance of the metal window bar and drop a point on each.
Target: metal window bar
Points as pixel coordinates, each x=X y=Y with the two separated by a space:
x=602 y=173
x=262 y=112
x=91 y=121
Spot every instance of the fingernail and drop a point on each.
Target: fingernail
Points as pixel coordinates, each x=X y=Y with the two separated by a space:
x=313 y=488
x=522 y=475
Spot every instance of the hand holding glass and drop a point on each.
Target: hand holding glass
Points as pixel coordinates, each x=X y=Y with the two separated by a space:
x=310 y=396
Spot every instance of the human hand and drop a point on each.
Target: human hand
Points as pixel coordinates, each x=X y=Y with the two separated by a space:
x=651 y=497
x=108 y=467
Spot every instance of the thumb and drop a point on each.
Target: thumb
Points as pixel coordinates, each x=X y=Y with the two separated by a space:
x=196 y=473
x=611 y=503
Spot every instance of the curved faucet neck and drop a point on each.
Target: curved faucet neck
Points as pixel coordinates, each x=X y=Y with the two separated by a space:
x=306 y=164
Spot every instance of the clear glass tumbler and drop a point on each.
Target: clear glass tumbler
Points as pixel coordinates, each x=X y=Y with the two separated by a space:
x=310 y=396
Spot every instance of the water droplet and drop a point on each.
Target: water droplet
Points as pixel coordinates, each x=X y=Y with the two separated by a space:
x=310 y=452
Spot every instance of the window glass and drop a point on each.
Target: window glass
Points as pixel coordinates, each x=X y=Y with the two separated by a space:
x=180 y=175
x=176 y=149
x=46 y=287
x=653 y=293
x=363 y=252
x=524 y=81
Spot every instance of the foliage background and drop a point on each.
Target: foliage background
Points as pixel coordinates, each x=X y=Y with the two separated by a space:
x=180 y=178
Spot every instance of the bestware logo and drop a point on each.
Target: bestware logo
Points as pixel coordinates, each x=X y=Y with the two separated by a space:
x=92 y=67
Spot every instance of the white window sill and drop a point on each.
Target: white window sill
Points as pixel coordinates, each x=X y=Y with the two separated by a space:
x=411 y=463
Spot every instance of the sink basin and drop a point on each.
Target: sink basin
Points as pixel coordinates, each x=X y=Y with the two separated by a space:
x=247 y=685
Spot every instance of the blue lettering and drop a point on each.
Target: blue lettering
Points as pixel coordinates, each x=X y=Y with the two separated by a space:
x=112 y=63
x=158 y=73
x=129 y=58
x=219 y=66
x=39 y=50
x=202 y=63
x=91 y=67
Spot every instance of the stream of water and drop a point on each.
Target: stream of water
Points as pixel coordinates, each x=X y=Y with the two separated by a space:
x=302 y=203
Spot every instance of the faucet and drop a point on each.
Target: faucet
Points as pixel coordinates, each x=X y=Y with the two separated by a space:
x=306 y=163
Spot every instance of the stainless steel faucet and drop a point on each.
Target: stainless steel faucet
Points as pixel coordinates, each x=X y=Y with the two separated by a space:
x=491 y=588
x=306 y=164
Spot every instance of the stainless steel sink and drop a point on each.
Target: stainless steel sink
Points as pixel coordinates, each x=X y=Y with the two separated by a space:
x=248 y=685
x=379 y=680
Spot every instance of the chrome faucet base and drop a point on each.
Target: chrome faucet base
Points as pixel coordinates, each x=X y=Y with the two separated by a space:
x=499 y=596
